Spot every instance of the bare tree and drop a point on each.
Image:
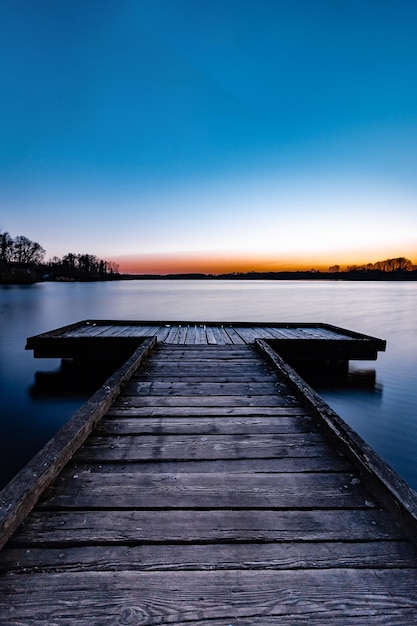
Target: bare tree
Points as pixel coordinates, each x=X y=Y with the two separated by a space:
x=27 y=252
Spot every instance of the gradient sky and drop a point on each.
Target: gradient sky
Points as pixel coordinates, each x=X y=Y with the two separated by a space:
x=181 y=135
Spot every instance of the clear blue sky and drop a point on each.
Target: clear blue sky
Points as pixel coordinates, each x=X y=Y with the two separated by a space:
x=285 y=130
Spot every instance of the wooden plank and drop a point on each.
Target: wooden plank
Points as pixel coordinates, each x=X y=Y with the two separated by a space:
x=219 y=336
x=205 y=362
x=83 y=329
x=211 y=339
x=279 y=333
x=192 y=447
x=182 y=334
x=146 y=388
x=245 y=333
x=182 y=377
x=162 y=333
x=250 y=556
x=236 y=491
x=112 y=331
x=224 y=359
x=234 y=335
x=277 y=400
x=23 y=491
x=146 y=598
x=221 y=350
x=227 y=340
x=89 y=330
x=130 y=331
x=54 y=333
x=212 y=412
x=190 y=338
x=172 y=334
x=203 y=426
x=201 y=367
x=263 y=332
x=201 y=336
x=326 y=462
x=179 y=526
x=206 y=353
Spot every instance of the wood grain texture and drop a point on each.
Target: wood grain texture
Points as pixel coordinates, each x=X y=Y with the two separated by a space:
x=198 y=597
x=213 y=490
x=331 y=462
x=219 y=556
x=207 y=447
x=114 y=425
x=179 y=526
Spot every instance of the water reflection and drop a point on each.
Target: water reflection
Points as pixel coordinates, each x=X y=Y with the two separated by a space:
x=71 y=380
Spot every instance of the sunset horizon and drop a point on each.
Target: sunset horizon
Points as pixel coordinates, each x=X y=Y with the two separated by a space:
x=177 y=263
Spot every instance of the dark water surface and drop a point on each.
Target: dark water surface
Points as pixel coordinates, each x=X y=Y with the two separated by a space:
x=385 y=416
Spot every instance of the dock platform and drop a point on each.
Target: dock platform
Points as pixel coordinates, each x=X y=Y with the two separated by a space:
x=207 y=483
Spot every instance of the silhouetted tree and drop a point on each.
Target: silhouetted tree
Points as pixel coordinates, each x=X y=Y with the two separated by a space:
x=27 y=252
x=6 y=248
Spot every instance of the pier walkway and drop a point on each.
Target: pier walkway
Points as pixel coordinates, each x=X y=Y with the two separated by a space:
x=215 y=488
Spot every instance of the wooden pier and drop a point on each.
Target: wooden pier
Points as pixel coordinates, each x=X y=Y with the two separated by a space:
x=206 y=482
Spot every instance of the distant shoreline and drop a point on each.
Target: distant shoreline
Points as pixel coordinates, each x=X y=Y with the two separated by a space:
x=371 y=275
x=352 y=276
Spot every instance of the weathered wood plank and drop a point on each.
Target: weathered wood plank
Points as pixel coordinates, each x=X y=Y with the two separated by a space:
x=202 y=352
x=190 y=338
x=251 y=556
x=111 y=425
x=182 y=334
x=205 y=363
x=219 y=337
x=88 y=330
x=245 y=334
x=211 y=339
x=172 y=334
x=226 y=337
x=234 y=336
x=149 y=598
x=236 y=491
x=326 y=462
x=162 y=333
x=72 y=527
x=265 y=333
x=130 y=331
x=182 y=377
x=277 y=400
x=193 y=447
x=201 y=336
x=158 y=388
x=172 y=411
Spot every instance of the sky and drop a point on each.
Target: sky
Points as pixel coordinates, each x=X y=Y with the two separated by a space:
x=211 y=135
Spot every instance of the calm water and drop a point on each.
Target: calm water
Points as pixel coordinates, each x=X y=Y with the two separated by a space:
x=384 y=416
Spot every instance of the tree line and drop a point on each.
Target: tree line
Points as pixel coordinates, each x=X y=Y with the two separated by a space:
x=22 y=261
x=399 y=264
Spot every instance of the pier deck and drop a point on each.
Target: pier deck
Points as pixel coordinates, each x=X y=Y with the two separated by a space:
x=107 y=339
x=214 y=487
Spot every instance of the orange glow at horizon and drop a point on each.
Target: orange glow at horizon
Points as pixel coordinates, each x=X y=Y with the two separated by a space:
x=216 y=263
x=182 y=264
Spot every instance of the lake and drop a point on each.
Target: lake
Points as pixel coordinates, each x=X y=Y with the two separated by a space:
x=385 y=416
